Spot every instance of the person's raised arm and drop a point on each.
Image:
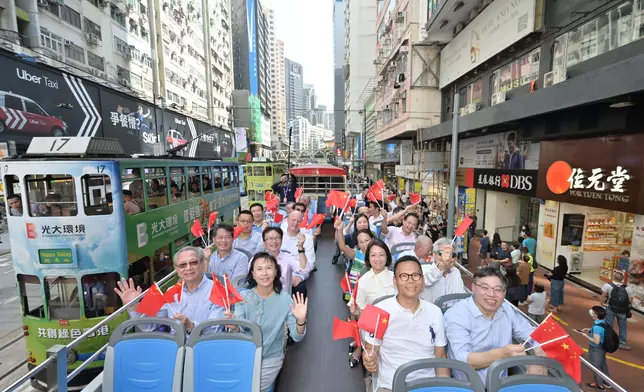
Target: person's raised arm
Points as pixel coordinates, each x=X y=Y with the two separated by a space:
x=384 y=226
x=339 y=236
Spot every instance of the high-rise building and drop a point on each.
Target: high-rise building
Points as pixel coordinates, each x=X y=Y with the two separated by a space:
x=251 y=62
x=154 y=50
x=306 y=136
x=309 y=103
x=276 y=71
x=360 y=39
x=294 y=89
x=338 y=69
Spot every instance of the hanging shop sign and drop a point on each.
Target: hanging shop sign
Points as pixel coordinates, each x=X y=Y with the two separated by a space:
x=520 y=182
x=599 y=172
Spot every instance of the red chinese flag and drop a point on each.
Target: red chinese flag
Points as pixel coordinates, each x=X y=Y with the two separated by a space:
x=305 y=220
x=374 y=321
x=346 y=329
x=272 y=204
x=212 y=219
x=462 y=228
x=376 y=190
x=337 y=199
x=391 y=197
x=354 y=295
x=298 y=193
x=278 y=217
x=238 y=231
x=380 y=183
x=372 y=197
x=269 y=195
x=317 y=220
x=565 y=351
x=196 y=229
x=344 y=283
x=218 y=293
x=233 y=294
x=353 y=203
x=414 y=198
x=152 y=301
x=173 y=291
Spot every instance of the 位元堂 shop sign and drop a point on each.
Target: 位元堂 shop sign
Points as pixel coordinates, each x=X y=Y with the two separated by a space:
x=599 y=172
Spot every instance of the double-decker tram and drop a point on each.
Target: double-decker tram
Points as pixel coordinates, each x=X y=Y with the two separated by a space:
x=260 y=177
x=89 y=215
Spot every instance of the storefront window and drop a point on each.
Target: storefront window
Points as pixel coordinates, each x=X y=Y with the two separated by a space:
x=518 y=73
x=616 y=27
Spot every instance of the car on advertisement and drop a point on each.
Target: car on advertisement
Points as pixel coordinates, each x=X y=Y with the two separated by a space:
x=22 y=114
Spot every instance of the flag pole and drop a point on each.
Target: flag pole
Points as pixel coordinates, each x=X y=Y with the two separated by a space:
x=544 y=343
x=544 y=320
x=345 y=206
x=346 y=277
x=375 y=333
x=227 y=299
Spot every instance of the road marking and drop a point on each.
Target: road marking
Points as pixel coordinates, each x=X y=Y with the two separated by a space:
x=8 y=301
x=8 y=272
x=559 y=320
x=5 y=264
x=634 y=365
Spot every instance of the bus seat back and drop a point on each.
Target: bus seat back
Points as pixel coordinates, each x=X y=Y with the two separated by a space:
x=246 y=252
x=397 y=249
x=437 y=384
x=237 y=369
x=557 y=379
x=444 y=302
x=143 y=361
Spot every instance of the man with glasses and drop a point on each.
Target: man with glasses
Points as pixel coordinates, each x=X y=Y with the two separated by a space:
x=225 y=259
x=480 y=329
x=441 y=276
x=248 y=239
x=289 y=263
x=194 y=306
x=415 y=329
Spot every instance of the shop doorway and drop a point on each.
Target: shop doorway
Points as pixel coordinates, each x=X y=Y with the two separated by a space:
x=529 y=214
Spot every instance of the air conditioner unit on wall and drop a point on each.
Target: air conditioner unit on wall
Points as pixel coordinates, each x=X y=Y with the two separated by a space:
x=472 y=107
x=498 y=98
x=68 y=42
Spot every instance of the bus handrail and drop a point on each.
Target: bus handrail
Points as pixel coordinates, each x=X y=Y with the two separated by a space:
x=59 y=351
x=534 y=323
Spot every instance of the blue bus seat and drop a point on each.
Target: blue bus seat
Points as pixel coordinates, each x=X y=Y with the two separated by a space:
x=246 y=252
x=380 y=299
x=556 y=381
x=397 y=249
x=144 y=361
x=230 y=362
x=240 y=282
x=445 y=301
x=378 y=228
x=437 y=384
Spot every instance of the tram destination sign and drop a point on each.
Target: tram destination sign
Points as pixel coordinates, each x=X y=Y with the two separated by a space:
x=56 y=256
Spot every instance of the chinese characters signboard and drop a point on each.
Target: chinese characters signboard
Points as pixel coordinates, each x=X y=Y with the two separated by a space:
x=55 y=256
x=600 y=172
x=70 y=333
x=520 y=182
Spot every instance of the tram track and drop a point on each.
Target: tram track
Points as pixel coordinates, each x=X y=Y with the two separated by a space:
x=13 y=362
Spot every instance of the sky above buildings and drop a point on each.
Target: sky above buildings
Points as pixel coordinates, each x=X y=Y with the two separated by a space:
x=306 y=27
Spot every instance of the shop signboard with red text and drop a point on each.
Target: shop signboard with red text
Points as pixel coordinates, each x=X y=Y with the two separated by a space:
x=600 y=172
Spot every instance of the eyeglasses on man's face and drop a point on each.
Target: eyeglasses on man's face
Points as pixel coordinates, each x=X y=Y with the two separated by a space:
x=416 y=276
x=498 y=290
x=440 y=253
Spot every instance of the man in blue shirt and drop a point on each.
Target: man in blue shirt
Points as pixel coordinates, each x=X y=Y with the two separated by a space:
x=225 y=259
x=596 y=352
x=530 y=243
x=480 y=329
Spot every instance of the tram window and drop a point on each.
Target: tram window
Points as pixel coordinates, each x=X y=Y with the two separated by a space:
x=269 y=171
x=62 y=296
x=14 y=195
x=98 y=294
x=194 y=181
x=133 y=183
x=51 y=195
x=260 y=171
x=177 y=185
x=162 y=263
x=31 y=295
x=139 y=272
x=155 y=181
x=181 y=242
x=225 y=178
x=233 y=176
x=217 y=174
x=206 y=180
x=96 y=188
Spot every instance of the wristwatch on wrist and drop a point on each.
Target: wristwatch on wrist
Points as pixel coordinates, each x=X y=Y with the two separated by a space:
x=301 y=251
x=300 y=325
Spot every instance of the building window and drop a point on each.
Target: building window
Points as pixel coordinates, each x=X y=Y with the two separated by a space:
x=51 y=41
x=70 y=16
x=518 y=73
x=92 y=28
x=121 y=46
x=95 y=61
x=123 y=73
x=75 y=53
x=137 y=81
x=94 y=3
x=610 y=30
x=117 y=14
x=472 y=93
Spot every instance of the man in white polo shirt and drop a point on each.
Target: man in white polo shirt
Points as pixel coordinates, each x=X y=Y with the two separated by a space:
x=415 y=329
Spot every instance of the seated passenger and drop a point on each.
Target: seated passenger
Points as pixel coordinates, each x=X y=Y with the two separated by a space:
x=293 y=243
x=354 y=245
x=422 y=251
x=248 y=239
x=15 y=205
x=259 y=221
x=397 y=235
x=480 y=329
x=289 y=263
x=130 y=206
x=274 y=310
x=224 y=259
x=195 y=306
x=415 y=329
x=441 y=277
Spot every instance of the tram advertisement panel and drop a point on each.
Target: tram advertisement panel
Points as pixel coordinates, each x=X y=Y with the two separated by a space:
x=61 y=252
x=209 y=143
x=131 y=122
x=38 y=102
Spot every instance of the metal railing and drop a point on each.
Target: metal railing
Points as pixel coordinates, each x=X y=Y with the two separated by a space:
x=56 y=363
x=535 y=324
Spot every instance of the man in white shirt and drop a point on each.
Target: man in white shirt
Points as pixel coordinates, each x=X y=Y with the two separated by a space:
x=415 y=329
x=373 y=212
x=397 y=235
x=289 y=244
x=441 y=276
